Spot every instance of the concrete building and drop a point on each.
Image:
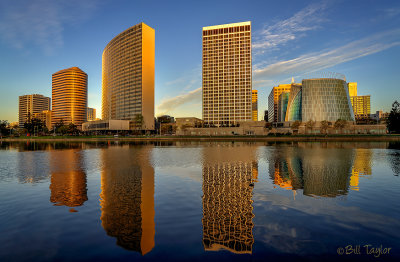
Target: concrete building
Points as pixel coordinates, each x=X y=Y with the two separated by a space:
x=165 y=119
x=227 y=74
x=128 y=77
x=91 y=114
x=69 y=96
x=273 y=99
x=106 y=125
x=188 y=122
x=254 y=105
x=29 y=105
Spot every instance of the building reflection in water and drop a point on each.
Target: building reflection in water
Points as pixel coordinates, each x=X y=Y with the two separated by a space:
x=229 y=174
x=68 y=184
x=127 y=196
x=361 y=166
x=319 y=171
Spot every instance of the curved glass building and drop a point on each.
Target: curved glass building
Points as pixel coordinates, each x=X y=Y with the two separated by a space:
x=320 y=99
x=69 y=93
x=128 y=77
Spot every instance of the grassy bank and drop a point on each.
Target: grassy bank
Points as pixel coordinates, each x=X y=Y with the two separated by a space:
x=344 y=138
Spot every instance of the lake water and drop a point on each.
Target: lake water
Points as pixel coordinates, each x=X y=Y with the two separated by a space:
x=110 y=201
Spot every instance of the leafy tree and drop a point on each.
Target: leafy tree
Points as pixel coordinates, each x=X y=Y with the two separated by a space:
x=324 y=126
x=310 y=124
x=340 y=124
x=34 y=125
x=3 y=127
x=393 y=120
x=295 y=125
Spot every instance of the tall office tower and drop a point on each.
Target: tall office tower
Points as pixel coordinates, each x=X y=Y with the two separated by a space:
x=273 y=100
x=254 y=105
x=69 y=92
x=361 y=106
x=91 y=114
x=30 y=105
x=352 y=86
x=227 y=79
x=128 y=77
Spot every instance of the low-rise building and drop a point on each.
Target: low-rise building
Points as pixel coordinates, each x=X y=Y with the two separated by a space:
x=188 y=122
x=106 y=125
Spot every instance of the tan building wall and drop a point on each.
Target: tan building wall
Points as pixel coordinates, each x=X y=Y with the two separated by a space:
x=69 y=93
x=227 y=74
x=97 y=125
x=361 y=105
x=128 y=76
x=30 y=105
x=352 y=86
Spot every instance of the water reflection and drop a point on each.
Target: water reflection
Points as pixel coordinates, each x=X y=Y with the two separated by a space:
x=127 y=196
x=229 y=173
x=361 y=166
x=318 y=170
x=68 y=179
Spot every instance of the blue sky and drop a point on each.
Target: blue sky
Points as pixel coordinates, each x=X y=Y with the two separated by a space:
x=359 y=39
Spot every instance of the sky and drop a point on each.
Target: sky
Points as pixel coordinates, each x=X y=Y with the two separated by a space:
x=300 y=39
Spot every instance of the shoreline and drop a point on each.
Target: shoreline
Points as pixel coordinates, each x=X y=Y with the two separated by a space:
x=336 y=138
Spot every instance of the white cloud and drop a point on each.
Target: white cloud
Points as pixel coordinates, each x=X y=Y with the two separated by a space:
x=170 y=104
x=290 y=29
x=327 y=58
x=40 y=23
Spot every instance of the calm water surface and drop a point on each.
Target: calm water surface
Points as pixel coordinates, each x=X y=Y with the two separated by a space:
x=114 y=201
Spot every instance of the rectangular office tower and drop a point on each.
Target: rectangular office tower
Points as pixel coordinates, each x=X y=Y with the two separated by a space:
x=29 y=105
x=128 y=77
x=227 y=97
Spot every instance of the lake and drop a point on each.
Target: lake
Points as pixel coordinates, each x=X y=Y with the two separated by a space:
x=214 y=201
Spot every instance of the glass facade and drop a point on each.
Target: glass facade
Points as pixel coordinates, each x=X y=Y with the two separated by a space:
x=282 y=106
x=325 y=99
x=69 y=92
x=128 y=76
x=293 y=111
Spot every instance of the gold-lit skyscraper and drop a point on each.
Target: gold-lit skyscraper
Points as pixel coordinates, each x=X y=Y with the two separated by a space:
x=69 y=93
x=352 y=86
x=128 y=77
x=227 y=79
x=254 y=104
x=29 y=105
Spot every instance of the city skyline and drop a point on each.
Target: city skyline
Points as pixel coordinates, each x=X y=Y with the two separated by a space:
x=296 y=39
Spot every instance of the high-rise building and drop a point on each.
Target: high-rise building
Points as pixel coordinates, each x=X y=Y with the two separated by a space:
x=227 y=79
x=254 y=105
x=69 y=93
x=128 y=77
x=361 y=106
x=282 y=106
x=30 y=105
x=352 y=86
x=91 y=114
x=273 y=99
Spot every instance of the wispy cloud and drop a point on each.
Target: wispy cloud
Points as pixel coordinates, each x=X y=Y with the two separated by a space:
x=273 y=36
x=327 y=58
x=40 y=23
x=169 y=104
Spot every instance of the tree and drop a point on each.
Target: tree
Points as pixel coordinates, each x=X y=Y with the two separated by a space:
x=393 y=120
x=340 y=124
x=310 y=124
x=34 y=125
x=324 y=126
x=3 y=127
